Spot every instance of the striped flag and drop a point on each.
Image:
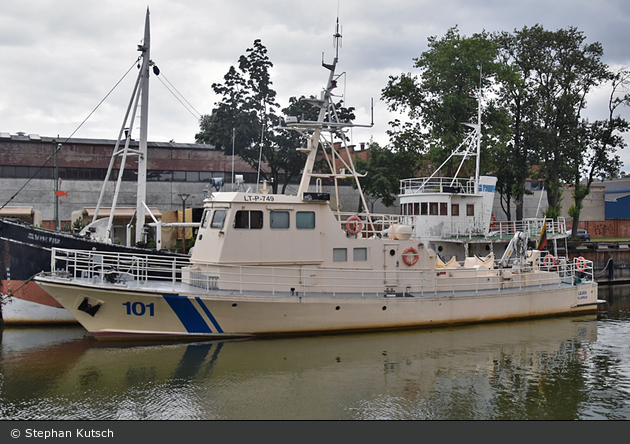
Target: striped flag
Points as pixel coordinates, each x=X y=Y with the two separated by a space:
x=542 y=240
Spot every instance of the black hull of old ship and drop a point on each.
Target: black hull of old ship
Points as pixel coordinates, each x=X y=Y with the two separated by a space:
x=25 y=251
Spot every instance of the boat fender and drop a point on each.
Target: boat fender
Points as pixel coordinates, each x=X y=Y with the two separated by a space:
x=581 y=263
x=550 y=262
x=410 y=256
x=354 y=225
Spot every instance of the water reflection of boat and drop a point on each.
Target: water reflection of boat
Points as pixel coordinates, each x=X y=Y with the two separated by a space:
x=36 y=358
x=328 y=377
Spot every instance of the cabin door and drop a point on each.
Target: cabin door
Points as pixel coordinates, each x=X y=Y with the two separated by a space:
x=391 y=264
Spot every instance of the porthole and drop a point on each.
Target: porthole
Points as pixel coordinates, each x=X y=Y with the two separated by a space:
x=392 y=252
x=384 y=308
x=234 y=305
x=337 y=307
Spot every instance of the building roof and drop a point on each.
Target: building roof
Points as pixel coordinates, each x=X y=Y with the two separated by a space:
x=16 y=211
x=21 y=137
x=615 y=188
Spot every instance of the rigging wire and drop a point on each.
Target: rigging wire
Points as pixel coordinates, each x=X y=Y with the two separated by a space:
x=70 y=136
x=180 y=98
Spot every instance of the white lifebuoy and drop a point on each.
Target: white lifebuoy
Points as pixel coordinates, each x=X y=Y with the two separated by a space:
x=410 y=256
x=354 y=225
x=580 y=263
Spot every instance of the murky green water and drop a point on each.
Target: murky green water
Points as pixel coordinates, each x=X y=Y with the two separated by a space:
x=567 y=368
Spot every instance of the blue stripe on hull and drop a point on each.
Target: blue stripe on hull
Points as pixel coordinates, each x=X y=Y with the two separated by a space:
x=187 y=314
x=207 y=312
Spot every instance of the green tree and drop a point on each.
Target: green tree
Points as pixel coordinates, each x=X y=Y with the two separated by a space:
x=247 y=116
x=544 y=78
x=515 y=99
x=600 y=141
x=440 y=100
x=383 y=171
x=563 y=70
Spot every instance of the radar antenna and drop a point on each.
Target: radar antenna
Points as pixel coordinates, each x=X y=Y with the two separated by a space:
x=321 y=134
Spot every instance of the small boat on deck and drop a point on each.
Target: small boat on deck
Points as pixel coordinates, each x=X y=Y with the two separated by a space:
x=267 y=265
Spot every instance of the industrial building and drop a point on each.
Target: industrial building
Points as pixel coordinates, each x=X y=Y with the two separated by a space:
x=178 y=176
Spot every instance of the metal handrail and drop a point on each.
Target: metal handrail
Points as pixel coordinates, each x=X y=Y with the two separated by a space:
x=114 y=269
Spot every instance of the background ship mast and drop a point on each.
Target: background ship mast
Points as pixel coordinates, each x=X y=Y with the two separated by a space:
x=140 y=96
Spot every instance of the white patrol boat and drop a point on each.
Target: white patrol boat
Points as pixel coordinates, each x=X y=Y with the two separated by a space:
x=266 y=264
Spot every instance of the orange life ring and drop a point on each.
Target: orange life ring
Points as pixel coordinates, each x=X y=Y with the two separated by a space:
x=354 y=225
x=581 y=354
x=410 y=256
x=550 y=262
x=580 y=263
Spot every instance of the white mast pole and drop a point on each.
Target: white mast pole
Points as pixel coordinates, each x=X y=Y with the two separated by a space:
x=144 y=107
x=478 y=160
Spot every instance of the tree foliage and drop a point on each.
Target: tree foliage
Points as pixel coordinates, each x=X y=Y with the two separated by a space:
x=536 y=84
x=441 y=99
x=247 y=117
x=545 y=78
x=383 y=171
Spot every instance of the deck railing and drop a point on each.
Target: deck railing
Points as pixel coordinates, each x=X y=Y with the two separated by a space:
x=437 y=185
x=377 y=224
x=146 y=271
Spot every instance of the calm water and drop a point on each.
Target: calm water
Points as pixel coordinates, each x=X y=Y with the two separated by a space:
x=568 y=368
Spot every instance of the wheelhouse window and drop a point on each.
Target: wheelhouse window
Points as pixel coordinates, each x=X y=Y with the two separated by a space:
x=218 y=219
x=248 y=219
x=205 y=219
x=455 y=210
x=359 y=254
x=305 y=220
x=279 y=219
x=470 y=210
x=340 y=255
x=443 y=209
x=433 y=208
x=424 y=208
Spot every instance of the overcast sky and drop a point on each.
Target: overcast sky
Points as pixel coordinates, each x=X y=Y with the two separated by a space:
x=59 y=58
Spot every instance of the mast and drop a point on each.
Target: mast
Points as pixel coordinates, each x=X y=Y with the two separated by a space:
x=327 y=122
x=144 y=120
x=478 y=160
x=140 y=91
x=325 y=104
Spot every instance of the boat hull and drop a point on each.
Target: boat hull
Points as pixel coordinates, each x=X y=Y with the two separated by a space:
x=25 y=251
x=21 y=311
x=126 y=313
